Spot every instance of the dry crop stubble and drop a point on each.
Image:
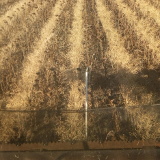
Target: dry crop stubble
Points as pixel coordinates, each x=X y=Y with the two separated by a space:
x=35 y=59
x=117 y=53
x=75 y=54
x=76 y=92
x=5 y=5
x=133 y=93
x=13 y=22
x=128 y=66
x=13 y=16
x=96 y=48
x=51 y=87
x=155 y=3
x=147 y=10
x=26 y=21
x=95 y=40
x=148 y=16
x=17 y=134
x=103 y=36
x=144 y=120
x=21 y=47
x=14 y=129
x=132 y=43
x=7 y=2
x=134 y=46
x=142 y=30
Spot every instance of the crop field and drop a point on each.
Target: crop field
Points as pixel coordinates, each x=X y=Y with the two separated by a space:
x=46 y=46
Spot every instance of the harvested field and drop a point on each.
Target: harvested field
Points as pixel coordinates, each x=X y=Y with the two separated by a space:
x=45 y=48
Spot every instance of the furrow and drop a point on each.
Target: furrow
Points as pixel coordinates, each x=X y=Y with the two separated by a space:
x=7 y=50
x=51 y=86
x=35 y=59
x=117 y=53
x=148 y=10
x=95 y=40
x=11 y=69
x=141 y=28
x=148 y=14
x=136 y=89
x=76 y=95
x=96 y=47
x=12 y=20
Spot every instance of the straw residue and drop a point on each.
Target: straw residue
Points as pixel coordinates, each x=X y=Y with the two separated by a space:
x=143 y=31
x=76 y=37
x=35 y=59
x=117 y=53
x=76 y=98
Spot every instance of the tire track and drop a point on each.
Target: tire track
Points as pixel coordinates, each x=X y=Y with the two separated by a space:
x=117 y=53
x=7 y=50
x=141 y=29
x=35 y=59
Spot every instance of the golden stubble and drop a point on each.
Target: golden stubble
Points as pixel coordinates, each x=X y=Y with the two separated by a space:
x=142 y=29
x=29 y=18
x=76 y=93
x=76 y=99
x=116 y=53
x=16 y=11
x=35 y=59
x=148 y=10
